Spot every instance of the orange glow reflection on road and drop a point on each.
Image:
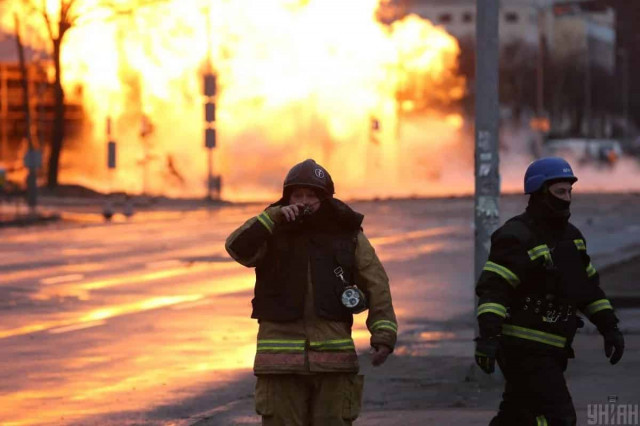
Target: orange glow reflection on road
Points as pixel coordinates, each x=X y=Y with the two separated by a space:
x=436 y=335
x=409 y=252
x=102 y=314
x=412 y=235
x=181 y=354
x=106 y=386
x=81 y=290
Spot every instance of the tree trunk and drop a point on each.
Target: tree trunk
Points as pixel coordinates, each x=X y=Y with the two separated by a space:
x=58 y=119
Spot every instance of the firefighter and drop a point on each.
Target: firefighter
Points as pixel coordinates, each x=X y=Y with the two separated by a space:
x=314 y=269
x=537 y=278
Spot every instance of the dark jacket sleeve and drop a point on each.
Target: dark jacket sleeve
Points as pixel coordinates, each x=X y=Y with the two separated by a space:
x=595 y=306
x=248 y=244
x=508 y=261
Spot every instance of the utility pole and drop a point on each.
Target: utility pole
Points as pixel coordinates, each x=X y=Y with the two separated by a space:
x=587 y=83
x=32 y=158
x=487 y=177
x=624 y=63
x=540 y=64
x=540 y=123
x=210 y=88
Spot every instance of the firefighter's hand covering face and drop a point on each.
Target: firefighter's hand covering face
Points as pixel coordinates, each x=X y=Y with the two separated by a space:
x=302 y=201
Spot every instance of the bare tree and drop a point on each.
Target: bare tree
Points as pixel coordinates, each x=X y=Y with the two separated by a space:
x=57 y=27
x=65 y=21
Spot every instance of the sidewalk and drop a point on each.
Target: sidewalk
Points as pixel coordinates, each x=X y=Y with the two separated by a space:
x=438 y=390
x=13 y=216
x=420 y=391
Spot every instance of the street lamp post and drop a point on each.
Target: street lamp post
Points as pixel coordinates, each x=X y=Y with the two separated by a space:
x=33 y=158
x=487 y=177
x=210 y=133
x=624 y=64
x=210 y=88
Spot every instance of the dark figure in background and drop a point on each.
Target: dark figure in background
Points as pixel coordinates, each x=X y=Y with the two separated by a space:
x=314 y=269
x=536 y=279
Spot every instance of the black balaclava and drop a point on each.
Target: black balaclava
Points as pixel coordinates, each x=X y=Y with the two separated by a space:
x=548 y=208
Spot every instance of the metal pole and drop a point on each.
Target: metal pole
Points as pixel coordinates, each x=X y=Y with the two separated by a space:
x=487 y=177
x=540 y=65
x=3 y=113
x=587 y=85
x=32 y=183
x=210 y=174
x=210 y=94
x=624 y=53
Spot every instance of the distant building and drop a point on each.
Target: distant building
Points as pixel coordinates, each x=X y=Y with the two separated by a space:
x=567 y=36
x=628 y=57
x=518 y=19
x=12 y=112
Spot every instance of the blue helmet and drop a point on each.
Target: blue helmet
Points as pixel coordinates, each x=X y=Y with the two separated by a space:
x=544 y=170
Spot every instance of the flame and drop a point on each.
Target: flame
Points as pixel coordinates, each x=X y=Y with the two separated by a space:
x=297 y=79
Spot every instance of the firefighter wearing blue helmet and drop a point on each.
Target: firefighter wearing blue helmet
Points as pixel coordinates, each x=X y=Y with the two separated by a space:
x=537 y=280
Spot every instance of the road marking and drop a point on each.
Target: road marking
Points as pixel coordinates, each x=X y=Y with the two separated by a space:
x=92 y=318
x=61 y=279
x=402 y=237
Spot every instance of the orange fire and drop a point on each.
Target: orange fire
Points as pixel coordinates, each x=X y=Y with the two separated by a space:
x=297 y=79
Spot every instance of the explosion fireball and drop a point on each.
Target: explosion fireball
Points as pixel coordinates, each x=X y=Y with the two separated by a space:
x=296 y=79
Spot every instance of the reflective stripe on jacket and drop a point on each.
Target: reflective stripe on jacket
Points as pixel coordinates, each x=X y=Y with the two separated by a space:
x=526 y=264
x=313 y=344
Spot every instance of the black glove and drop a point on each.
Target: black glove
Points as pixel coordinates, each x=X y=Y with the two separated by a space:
x=486 y=349
x=613 y=344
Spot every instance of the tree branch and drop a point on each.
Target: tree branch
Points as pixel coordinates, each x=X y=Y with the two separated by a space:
x=45 y=15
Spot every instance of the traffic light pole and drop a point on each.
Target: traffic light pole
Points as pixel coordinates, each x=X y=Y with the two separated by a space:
x=31 y=158
x=487 y=178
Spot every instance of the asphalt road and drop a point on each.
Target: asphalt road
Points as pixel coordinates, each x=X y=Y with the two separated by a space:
x=147 y=321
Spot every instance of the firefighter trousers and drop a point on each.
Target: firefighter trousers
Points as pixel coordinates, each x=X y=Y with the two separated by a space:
x=535 y=392
x=322 y=399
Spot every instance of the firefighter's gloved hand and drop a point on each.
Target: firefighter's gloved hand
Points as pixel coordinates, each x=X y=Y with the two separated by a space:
x=486 y=349
x=379 y=355
x=613 y=344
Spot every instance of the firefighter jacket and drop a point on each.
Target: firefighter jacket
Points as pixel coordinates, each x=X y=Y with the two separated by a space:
x=303 y=327
x=535 y=281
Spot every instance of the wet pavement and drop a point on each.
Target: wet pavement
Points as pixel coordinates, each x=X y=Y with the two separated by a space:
x=146 y=320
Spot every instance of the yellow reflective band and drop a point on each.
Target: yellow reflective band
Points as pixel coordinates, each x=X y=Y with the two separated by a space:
x=591 y=271
x=281 y=345
x=534 y=335
x=494 y=308
x=266 y=221
x=597 y=306
x=539 y=251
x=503 y=272
x=541 y=421
x=384 y=324
x=580 y=245
x=332 y=345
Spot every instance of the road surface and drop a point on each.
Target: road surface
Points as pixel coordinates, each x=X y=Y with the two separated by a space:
x=146 y=321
